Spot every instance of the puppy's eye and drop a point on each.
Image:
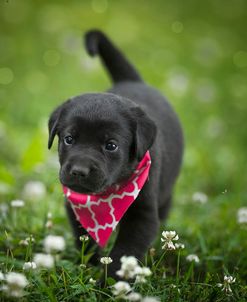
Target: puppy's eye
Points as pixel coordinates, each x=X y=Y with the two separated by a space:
x=111 y=146
x=68 y=140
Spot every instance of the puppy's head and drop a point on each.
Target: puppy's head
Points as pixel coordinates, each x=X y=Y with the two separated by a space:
x=101 y=139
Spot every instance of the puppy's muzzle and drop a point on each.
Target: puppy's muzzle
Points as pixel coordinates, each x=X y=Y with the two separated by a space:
x=83 y=175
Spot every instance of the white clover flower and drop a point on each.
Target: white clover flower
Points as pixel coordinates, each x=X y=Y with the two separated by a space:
x=49 y=224
x=133 y=297
x=34 y=190
x=242 y=215
x=105 y=260
x=129 y=262
x=30 y=239
x=44 y=260
x=146 y=271
x=1 y=276
x=152 y=251
x=150 y=299
x=122 y=274
x=169 y=236
x=200 y=197
x=25 y=242
x=53 y=244
x=15 y=283
x=228 y=280
x=193 y=257
x=128 y=267
x=92 y=281
x=27 y=266
x=140 y=279
x=141 y=274
x=17 y=203
x=179 y=246
x=84 y=238
x=121 y=288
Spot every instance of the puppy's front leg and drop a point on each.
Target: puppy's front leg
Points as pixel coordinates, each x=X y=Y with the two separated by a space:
x=79 y=231
x=138 y=229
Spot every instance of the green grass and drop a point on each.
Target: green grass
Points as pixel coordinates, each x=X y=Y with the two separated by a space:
x=196 y=54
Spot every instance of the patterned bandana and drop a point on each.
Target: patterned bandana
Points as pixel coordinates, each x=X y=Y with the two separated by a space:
x=99 y=214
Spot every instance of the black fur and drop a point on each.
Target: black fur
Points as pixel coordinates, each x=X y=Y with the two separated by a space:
x=137 y=118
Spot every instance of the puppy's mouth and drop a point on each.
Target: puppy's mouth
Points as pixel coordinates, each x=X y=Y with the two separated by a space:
x=85 y=190
x=83 y=186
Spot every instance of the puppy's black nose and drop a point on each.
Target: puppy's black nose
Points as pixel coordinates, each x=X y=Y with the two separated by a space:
x=80 y=170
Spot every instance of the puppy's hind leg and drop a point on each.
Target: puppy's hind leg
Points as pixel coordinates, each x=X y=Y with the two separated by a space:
x=79 y=231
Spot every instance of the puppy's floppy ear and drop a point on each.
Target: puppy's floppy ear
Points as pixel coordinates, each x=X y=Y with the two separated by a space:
x=145 y=132
x=54 y=121
x=52 y=125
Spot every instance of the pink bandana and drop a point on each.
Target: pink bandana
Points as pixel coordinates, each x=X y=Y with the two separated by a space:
x=99 y=214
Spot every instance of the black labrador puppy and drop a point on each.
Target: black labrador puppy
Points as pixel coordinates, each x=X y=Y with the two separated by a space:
x=103 y=137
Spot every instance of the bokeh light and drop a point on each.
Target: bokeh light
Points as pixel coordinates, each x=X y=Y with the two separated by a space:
x=99 y=6
x=240 y=59
x=177 y=27
x=6 y=75
x=36 y=82
x=51 y=57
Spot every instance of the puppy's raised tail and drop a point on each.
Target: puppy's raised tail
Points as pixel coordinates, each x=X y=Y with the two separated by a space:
x=116 y=64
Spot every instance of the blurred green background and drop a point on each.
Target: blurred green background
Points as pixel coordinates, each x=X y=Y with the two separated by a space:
x=194 y=52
